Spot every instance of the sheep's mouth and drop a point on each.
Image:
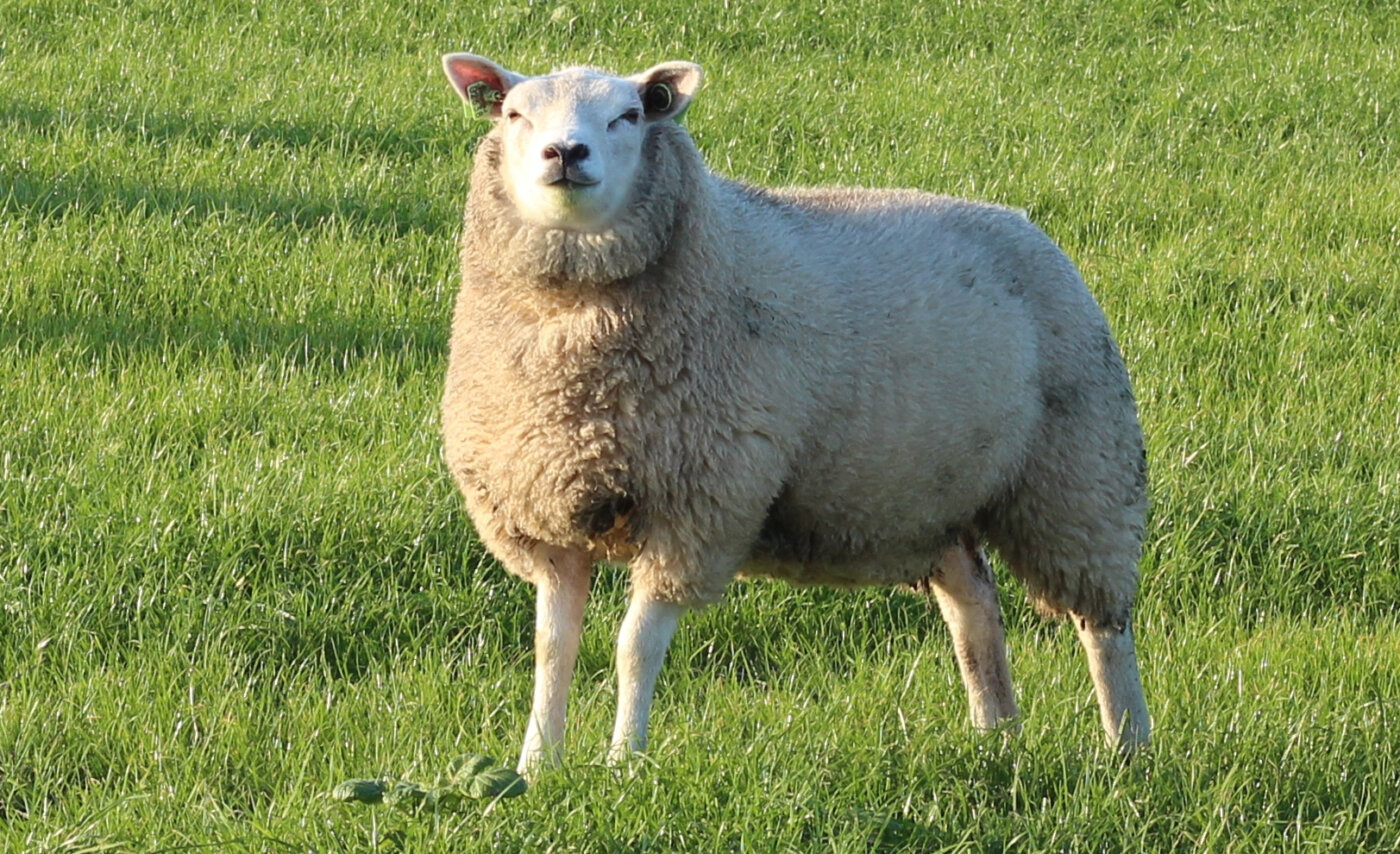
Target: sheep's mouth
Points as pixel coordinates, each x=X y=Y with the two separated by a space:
x=568 y=179
x=571 y=183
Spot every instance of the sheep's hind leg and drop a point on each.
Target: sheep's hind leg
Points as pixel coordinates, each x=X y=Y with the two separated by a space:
x=967 y=596
x=1114 y=669
x=641 y=648
x=561 y=591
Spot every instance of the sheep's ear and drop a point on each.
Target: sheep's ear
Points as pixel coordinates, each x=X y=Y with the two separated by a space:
x=481 y=82
x=666 y=89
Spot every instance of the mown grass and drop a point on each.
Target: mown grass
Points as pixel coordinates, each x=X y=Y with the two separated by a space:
x=234 y=572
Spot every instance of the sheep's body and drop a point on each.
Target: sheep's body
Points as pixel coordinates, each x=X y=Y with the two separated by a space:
x=828 y=386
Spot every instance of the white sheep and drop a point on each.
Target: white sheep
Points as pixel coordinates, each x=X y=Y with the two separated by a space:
x=656 y=366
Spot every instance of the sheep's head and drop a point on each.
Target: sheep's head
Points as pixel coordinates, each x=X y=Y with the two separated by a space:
x=571 y=141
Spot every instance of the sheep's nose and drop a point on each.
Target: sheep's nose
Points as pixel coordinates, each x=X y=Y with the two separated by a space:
x=567 y=153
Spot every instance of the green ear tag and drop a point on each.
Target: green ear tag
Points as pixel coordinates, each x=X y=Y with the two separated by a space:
x=483 y=96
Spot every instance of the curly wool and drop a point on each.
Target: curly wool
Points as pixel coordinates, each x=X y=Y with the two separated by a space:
x=822 y=385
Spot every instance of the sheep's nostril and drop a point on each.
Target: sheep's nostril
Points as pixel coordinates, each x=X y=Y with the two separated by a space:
x=566 y=153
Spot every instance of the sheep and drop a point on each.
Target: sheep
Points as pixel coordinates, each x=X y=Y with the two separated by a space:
x=655 y=366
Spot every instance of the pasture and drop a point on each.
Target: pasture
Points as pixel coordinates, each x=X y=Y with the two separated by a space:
x=234 y=570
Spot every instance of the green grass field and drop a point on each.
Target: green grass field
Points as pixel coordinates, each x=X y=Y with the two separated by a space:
x=234 y=571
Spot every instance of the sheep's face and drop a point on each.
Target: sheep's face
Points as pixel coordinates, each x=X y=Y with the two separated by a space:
x=571 y=142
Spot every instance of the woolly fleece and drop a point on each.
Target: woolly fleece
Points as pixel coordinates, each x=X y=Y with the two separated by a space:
x=828 y=386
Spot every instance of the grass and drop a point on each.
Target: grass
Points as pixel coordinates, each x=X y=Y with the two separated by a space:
x=233 y=571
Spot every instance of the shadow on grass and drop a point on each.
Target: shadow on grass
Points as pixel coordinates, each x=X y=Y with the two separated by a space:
x=327 y=335
x=324 y=339
x=413 y=142
x=28 y=192
x=752 y=638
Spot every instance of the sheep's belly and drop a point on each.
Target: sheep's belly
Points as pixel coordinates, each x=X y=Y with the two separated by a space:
x=803 y=551
x=855 y=571
x=853 y=520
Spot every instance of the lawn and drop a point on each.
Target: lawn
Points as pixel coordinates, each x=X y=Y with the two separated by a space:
x=234 y=570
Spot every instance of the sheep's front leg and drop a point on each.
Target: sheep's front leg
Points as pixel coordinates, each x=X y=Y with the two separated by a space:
x=641 y=648
x=967 y=597
x=561 y=591
x=1114 y=668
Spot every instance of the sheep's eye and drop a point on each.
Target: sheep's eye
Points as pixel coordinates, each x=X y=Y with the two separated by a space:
x=631 y=117
x=512 y=115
